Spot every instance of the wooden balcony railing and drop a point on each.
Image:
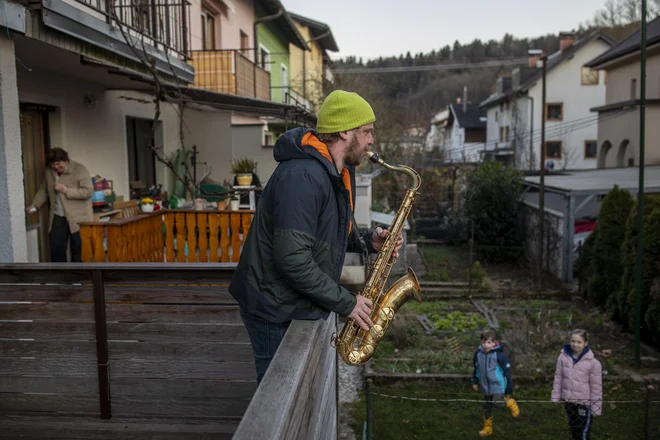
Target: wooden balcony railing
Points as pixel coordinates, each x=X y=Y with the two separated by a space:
x=229 y=71
x=171 y=236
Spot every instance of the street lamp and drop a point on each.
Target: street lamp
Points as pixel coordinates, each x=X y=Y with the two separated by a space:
x=542 y=56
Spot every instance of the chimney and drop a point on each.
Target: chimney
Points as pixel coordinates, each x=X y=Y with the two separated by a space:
x=465 y=101
x=566 y=39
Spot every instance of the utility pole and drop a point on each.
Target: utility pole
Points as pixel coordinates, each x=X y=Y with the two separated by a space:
x=640 y=192
x=543 y=58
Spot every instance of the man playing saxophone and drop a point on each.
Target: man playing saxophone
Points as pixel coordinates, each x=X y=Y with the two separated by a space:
x=303 y=226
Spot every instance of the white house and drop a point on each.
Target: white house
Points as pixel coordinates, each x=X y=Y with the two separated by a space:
x=514 y=111
x=459 y=132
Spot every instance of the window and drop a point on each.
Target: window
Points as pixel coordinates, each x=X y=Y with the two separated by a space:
x=508 y=105
x=554 y=111
x=264 y=58
x=497 y=116
x=208 y=30
x=501 y=134
x=553 y=150
x=589 y=77
x=633 y=88
x=506 y=135
x=590 y=149
x=141 y=158
x=245 y=44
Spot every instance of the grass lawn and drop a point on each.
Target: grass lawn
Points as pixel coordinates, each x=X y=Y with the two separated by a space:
x=445 y=263
x=398 y=419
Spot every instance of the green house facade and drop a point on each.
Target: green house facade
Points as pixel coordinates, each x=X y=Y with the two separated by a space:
x=273 y=38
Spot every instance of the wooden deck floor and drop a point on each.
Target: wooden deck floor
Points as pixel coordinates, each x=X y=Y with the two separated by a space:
x=162 y=351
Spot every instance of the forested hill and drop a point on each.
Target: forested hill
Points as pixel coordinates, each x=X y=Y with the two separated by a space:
x=409 y=98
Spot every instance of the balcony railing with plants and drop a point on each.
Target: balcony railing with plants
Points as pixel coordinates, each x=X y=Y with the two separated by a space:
x=163 y=23
x=183 y=236
x=229 y=71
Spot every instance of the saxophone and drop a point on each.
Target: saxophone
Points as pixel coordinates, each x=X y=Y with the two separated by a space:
x=355 y=345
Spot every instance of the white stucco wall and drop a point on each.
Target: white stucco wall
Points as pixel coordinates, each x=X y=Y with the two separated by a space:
x=564 y=85
x=210 y=131
x=248 y=141
x=13 y=242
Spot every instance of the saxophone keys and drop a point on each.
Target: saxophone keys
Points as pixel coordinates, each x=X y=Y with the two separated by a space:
x=386 y=313
x=377 y=332
x=354 y=357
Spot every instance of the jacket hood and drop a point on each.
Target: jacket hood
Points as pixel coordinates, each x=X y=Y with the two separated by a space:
x=586 y=353
x=295 y=144
x=497 y=347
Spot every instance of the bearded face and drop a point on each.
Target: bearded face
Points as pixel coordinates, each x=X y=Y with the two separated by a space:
x=354 y=152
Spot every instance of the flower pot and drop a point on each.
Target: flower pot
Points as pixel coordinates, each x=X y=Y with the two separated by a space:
x=147 y=207
x=244 y=179
x=199 y=204
x=234 y=205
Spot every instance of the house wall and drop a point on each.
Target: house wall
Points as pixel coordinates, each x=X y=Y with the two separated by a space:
x=273 y=39
x=564 y=85
x=497 y=116
x=94 y=134
x=248 y=142
x=618 y=132
x=313 y=67
x=13 y=240
x=229 y=22
x=211 y=132
x=619 y=80
x=621 y=133
x=363 y=200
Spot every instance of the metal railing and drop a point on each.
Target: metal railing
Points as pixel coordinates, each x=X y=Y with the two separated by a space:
x=230 y=71
x=293 y=97
x=164 y=23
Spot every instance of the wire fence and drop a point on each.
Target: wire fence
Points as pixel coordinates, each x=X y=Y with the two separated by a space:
x=408 y=414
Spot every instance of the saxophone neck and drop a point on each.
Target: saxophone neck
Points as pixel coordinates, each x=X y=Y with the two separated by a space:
x=415 y=180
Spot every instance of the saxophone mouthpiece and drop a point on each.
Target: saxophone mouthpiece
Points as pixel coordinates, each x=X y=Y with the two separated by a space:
x=373 y=157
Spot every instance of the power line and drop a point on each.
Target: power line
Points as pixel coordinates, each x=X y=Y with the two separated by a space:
x=434 y=67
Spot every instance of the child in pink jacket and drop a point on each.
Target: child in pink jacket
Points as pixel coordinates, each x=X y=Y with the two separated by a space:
x=579 y=384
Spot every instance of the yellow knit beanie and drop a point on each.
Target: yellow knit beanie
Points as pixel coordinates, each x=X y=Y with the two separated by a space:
x=343 y=111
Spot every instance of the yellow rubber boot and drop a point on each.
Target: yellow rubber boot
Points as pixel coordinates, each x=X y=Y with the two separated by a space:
x=513 y=406
x=488 y=427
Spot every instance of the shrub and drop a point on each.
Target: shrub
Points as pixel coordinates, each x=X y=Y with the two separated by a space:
x=492 y=201
x=625 y=304
x=605 y=264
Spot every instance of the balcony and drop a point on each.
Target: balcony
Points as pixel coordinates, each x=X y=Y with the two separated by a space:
x=229 y=71
x=172 y=236
x=292 y=97
x=163 y=23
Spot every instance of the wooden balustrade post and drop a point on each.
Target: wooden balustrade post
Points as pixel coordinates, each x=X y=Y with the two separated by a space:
x=213 y=234
x=235 y=236
x=224 y=237
x=101 y=344
x=169 y=237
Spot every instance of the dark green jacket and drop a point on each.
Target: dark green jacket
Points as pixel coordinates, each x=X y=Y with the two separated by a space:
x=294 y=252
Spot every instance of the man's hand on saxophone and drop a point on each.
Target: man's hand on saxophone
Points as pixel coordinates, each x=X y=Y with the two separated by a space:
x=361 y=313
x=378 y=238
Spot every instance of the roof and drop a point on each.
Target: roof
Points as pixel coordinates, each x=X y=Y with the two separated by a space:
x=629 y=45
x=285 y=22
x=473 y=117
x=321 y=32
x=554 y=60
x=599 y=181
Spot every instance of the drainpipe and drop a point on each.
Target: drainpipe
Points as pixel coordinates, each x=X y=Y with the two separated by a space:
x=275 y=16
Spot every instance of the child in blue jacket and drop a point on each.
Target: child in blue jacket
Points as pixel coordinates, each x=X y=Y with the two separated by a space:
x=492 y=376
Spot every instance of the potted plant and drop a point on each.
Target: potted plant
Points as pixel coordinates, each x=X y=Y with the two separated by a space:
x=147 y=204
x=243 y=168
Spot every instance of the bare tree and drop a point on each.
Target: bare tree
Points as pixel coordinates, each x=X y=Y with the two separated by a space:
x=568 y=157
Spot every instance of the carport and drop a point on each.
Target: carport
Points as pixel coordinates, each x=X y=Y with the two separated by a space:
x=578 y=194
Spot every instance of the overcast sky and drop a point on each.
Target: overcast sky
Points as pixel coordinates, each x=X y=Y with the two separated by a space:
x=372 y=28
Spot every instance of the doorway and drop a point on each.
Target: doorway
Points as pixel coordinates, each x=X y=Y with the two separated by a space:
x=35 y=142
x=141 y=158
